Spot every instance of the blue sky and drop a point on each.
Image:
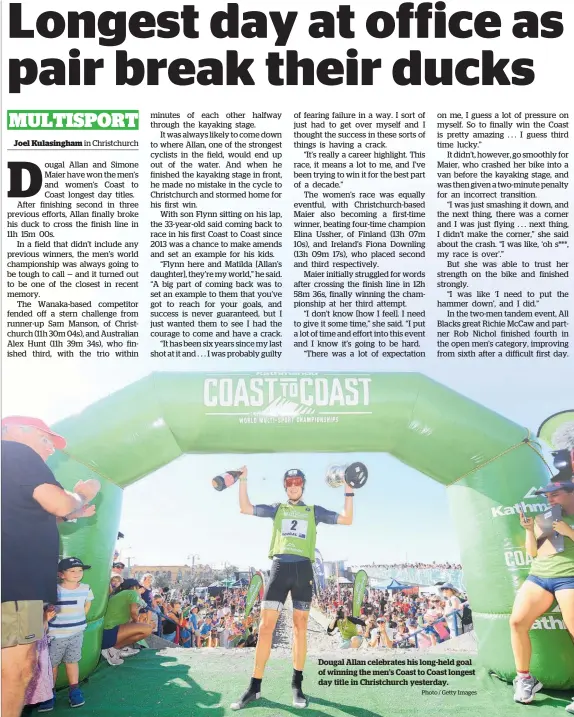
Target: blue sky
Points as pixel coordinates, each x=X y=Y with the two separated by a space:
x=176 y=512
x=400 y=513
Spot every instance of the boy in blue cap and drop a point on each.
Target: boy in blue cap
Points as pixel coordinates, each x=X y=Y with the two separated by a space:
x=66 y=629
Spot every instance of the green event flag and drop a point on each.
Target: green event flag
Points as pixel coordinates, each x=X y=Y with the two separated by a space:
x=252 y=592
x=359 y=587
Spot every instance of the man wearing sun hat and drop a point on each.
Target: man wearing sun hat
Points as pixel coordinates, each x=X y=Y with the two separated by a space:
x=32 y=503
x=118 y=569
x=452 y=608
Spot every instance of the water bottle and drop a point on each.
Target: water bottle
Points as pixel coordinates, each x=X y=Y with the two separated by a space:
x=224 y=480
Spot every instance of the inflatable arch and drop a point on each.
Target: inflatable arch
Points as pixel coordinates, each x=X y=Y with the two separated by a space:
x=489 y=464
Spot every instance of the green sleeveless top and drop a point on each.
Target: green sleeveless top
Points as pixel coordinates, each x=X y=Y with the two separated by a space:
x=559 y=565
x=347 y=629
x=294 y=531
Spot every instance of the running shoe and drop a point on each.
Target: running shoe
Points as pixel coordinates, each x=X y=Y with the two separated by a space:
x=76 y=698
x=46 y=706
x=248 y=696
x=525 y=689
x=570 y=708
x=128 y=652
x=299 y=699
x=112 y=656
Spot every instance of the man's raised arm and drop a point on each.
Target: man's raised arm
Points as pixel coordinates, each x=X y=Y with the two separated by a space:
x=346 y=517
x=60 y=502
x=244 y=502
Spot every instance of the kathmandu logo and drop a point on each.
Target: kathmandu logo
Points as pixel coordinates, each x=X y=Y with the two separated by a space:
x=502 y=510
x=252 y=592
x=548 y=622
x=288 y=395
x=294 y=514
x=360 y=583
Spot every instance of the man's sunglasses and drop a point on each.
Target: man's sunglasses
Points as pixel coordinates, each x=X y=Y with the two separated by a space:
x=296 y=481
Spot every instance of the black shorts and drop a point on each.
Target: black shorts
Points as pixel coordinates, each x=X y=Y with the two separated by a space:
x=295 y=578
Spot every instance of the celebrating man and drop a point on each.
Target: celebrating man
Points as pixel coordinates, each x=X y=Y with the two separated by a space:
x=293 y=552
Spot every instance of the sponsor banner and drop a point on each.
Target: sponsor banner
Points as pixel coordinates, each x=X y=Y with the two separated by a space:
x=262 y=588
x=253 y=592
x=359 y=587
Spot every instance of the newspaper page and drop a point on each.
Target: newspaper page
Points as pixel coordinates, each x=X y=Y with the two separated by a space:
x=301 y=261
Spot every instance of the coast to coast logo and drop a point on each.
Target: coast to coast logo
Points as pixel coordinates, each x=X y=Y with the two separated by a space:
x=287 y=397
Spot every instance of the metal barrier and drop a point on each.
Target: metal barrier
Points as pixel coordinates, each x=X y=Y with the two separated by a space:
x=443 y=618
x=161 y=617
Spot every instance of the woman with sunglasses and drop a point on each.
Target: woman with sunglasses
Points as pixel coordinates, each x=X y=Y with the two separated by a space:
x=293 y=553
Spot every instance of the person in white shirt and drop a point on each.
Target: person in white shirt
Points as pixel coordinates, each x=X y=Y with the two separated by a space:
x=382 y=635
x=452 y=605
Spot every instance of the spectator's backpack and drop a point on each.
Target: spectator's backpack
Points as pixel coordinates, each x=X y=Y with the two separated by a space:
x=466 y=617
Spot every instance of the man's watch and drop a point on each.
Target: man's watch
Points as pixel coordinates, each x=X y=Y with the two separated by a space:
x=349 y=495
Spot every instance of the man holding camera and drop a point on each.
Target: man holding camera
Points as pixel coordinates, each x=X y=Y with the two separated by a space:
x=293 y=553
x=348 y=629
x=379 y=636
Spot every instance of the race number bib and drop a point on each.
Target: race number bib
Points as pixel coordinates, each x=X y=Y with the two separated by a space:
x=292 y=528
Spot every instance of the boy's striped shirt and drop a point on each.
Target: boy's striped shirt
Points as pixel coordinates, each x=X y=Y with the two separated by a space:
x=70 y=617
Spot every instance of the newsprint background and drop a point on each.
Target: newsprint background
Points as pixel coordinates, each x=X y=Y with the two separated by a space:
x=188 y=192
x=385 y=227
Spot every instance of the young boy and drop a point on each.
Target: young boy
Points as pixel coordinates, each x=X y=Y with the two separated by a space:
x=204 y=632
x=66 y=630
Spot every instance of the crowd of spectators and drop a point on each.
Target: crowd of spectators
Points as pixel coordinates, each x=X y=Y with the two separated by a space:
x=416 y=566
x=398 y=618
x=192 y=621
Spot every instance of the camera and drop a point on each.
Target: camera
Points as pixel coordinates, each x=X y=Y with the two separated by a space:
x=340 y=614
x=564 y=461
